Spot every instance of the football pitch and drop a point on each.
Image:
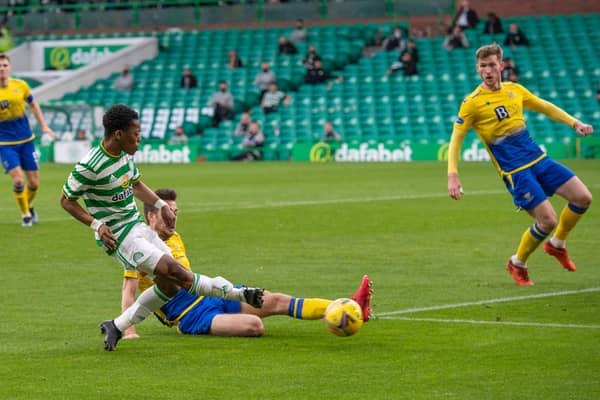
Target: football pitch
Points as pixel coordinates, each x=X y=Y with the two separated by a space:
x=451 y=323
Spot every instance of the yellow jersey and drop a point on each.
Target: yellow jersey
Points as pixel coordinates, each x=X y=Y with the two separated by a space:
x=14 y=126
x=497 y=118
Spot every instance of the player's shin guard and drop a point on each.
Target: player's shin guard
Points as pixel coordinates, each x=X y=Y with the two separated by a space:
x=307 y=308
x=569 y=217
x=21 y=199
x=148 y=302
x=530 y=240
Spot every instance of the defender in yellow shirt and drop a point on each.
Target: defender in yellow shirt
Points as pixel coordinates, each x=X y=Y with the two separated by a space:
x=17 y=151
x=495 y=111
x=198 y=315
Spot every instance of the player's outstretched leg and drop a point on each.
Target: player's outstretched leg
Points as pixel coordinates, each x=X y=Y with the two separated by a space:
x=561 y=255
x=519 y=274
x=112 y=335
x=363 y=297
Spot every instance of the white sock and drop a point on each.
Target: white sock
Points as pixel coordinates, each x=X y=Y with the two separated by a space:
x=148 y=302
x=517 y=262
x=215 y=287
x=560 y=244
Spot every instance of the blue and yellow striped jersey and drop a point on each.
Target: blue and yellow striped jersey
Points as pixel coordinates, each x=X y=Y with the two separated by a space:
x=497 y=118
x=14 y=126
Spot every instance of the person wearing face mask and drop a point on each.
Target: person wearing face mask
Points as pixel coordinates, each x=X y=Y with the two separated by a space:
x=395 y=41
x=300 y=33
x=311 y=58
x=264 y=78
x=222 y=103
x=124 y=81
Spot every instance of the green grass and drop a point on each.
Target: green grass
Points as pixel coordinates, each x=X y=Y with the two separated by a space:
x=311 y=230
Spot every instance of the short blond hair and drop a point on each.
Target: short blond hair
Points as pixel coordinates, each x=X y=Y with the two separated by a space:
x=489 y=50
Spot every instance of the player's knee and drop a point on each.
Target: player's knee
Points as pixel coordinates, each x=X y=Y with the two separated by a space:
x=33 y=185
x=255 y=326
x=585 y=200
x=18 y=185
x=547 y=223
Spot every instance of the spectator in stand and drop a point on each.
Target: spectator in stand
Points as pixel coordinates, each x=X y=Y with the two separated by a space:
x=188 y=79
x=311 y=57
x=263 y=79
x=329 y=134
x=286 y=47
x=493 y=25
x=465 y=18
x=395 y=41
x=598 y=93
x=510 y=73
x=179 y=136
x=233 y=60
x=222 y=103
x=300 y=33
x=124 y=81
x=407 y=61
x=456 y=40
x=243 y=127
x=515 y=36
x=272 y=99
x=82 y=135
x=252 y=143
x=319 y=75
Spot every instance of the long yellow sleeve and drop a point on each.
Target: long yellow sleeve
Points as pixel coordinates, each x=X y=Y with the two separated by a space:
x=456 y=142
x=553 y=112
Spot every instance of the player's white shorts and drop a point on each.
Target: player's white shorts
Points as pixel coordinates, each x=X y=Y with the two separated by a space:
x=141 y=250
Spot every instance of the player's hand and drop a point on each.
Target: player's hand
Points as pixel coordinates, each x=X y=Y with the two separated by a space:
x=454 y=187
x=583 y=129
x=107 y=237
x=49 y=132
x=168 y=216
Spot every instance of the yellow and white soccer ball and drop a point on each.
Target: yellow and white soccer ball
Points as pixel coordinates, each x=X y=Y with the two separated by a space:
x=343 y=317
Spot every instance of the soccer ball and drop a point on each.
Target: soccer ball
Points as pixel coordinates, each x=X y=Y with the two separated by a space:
x=343 y=317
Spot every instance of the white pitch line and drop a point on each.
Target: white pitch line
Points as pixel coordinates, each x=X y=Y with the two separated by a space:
x=490 y=301
x=511 y=323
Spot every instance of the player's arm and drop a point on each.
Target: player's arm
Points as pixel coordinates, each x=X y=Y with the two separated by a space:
x=147 y=196
x=72 y=206
x=39 y=116
x=461 y=127
x=532 y=102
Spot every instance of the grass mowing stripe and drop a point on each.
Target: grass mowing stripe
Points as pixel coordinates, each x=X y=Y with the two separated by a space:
x=511 y=323
x=490 y=301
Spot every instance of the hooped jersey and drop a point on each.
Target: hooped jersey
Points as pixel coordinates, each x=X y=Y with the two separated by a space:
x=105 y=182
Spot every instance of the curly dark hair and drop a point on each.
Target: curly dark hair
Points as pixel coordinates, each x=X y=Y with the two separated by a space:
x=165 y=194
x=118 y=117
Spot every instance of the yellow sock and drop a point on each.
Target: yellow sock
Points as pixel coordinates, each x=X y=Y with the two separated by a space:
x=30 y=195
x=307 y=308
x=530 y=240
x=21 y=199
x=569 y=217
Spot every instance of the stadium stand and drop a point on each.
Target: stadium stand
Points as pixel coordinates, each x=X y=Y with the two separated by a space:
x=561 y=64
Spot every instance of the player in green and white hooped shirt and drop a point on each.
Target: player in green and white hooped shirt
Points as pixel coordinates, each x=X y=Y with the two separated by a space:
x=107 y=180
